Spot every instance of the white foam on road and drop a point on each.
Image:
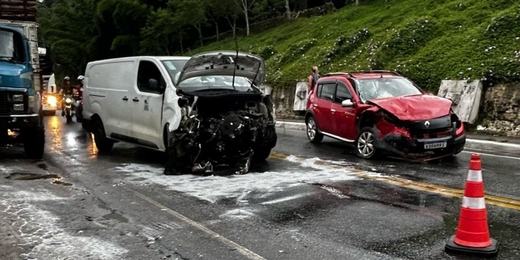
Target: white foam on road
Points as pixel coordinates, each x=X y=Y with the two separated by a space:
x=261 y=184
x=42 y=231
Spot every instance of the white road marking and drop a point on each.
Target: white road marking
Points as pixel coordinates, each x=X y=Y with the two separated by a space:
x=490 y=155
x=287 y=198
x=243 y=250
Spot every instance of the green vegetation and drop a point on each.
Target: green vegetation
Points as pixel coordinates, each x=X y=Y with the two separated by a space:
x=428 y=41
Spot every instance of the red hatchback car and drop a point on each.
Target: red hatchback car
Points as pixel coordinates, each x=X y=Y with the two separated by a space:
x=382 y=112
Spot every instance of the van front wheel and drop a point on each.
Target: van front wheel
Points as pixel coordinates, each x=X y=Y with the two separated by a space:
x=102 y=142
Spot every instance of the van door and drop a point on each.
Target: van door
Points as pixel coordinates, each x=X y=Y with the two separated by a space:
x=147 y=105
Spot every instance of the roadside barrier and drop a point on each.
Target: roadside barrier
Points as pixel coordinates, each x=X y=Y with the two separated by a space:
x=472 y=235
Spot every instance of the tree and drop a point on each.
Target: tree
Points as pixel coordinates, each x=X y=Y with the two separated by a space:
x=192 y=12
x=245 y=6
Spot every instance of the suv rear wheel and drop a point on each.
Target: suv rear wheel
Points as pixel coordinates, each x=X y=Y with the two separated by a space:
x=312 y=131
x=365 y=143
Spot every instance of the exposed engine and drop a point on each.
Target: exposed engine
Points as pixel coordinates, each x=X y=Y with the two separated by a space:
x=221 y=134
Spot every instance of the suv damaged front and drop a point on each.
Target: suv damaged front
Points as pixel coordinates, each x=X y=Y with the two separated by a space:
x=227 y=121
x=416 y=126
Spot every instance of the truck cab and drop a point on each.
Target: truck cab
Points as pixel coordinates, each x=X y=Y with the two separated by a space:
x=21 y=118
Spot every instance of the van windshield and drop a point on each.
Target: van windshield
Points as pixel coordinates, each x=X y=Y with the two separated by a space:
x=11 y=47
x=174 y=68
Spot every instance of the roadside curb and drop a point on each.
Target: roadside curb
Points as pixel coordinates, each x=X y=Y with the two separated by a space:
x=471 y=143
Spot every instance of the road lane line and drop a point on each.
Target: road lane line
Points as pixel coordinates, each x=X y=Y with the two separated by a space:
x=241 y=249
x=470 y=151
x=286 y=198
x=407 y=183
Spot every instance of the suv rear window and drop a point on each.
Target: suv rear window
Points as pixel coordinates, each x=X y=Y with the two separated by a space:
x=327 y=91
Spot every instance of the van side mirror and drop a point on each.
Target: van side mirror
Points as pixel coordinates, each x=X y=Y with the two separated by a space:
x=347 y=103
x=154 y=84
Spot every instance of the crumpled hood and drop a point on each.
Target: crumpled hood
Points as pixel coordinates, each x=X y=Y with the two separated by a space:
x=224 y=63
x=416 y=107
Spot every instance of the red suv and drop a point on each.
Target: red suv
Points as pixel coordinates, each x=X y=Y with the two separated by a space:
x=383 y=112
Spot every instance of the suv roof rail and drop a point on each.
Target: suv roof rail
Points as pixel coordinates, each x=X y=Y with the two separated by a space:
x=338 y=73
x=377 y=71
x=350 y=73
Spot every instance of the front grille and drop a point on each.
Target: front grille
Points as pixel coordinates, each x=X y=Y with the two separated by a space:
x=434 y=128
x=4 y=104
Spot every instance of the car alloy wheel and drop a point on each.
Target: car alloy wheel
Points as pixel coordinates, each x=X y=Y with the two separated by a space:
x=365 y=144
x=312 y=131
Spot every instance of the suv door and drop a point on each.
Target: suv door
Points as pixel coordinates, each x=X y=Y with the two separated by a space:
x=344 y=118
x=147 y=105
x=322 y=105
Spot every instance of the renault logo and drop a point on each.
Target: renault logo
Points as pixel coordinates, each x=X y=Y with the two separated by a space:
x=427 y=124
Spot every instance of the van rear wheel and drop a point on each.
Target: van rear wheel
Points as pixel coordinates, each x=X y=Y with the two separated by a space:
x=102 y=142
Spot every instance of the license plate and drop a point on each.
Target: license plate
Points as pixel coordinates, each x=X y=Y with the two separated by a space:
x=437 y=145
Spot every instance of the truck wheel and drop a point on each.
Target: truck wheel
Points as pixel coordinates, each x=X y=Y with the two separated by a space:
x=312 y=131
x=102 y=142
x=34 y=143
x=365 y=143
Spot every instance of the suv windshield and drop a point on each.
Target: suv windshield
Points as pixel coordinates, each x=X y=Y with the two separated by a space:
x=10 y=47
x=385 y=88
x=174 y=68
x=216 y=82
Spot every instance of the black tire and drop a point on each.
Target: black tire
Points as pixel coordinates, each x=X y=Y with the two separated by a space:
x=365 y=143
x=34 y=143
x=103 y=144
x=261 y=153
x=313 y=132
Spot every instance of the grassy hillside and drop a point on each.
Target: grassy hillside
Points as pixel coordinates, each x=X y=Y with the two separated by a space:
x=427 y=40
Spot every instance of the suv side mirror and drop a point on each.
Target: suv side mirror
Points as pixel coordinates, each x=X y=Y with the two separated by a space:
x=347 y=103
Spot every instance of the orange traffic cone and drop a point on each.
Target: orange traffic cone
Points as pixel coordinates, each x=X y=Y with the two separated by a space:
x=472 y=236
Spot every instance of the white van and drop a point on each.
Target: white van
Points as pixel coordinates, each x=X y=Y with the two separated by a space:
x=132 y=99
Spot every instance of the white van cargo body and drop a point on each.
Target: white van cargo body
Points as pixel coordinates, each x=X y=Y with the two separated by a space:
x=132 y=99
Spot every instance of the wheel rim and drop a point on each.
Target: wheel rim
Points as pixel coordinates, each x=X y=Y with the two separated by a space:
x=365 y=144
x=311 y=128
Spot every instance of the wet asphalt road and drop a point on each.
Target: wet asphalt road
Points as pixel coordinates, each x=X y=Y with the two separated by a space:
x=305 y=202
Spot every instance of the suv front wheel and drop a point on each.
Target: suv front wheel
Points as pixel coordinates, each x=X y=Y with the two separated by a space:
x=365 y=143
x=312 y=131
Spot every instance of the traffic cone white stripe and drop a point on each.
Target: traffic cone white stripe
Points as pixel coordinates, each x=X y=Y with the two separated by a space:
x=473 y=203
x=474 y=175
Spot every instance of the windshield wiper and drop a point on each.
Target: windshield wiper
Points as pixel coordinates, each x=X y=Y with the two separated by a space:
x=8 y=58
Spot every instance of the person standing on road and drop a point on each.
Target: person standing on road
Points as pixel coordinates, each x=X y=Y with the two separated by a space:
x=313 y=78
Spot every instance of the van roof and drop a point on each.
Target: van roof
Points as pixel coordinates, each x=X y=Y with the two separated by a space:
x=159 y=58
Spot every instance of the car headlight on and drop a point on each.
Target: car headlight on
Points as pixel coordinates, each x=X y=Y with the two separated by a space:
x=52 y=101
x=18 y=98
x=18 y=107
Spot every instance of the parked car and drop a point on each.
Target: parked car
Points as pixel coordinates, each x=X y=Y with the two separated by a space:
x=383 y=112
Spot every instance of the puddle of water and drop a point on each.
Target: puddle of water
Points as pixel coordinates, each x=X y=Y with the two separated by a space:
x=116 y=216
x=30 y=176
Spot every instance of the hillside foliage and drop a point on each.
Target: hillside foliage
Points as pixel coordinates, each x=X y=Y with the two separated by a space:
x=427 y=41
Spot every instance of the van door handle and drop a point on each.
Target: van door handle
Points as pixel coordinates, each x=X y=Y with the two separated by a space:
x=135 y=99
x=125 y=98
x=333 y=110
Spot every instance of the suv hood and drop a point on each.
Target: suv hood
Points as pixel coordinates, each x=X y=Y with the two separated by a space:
x=223 y=63
x=416 y=107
